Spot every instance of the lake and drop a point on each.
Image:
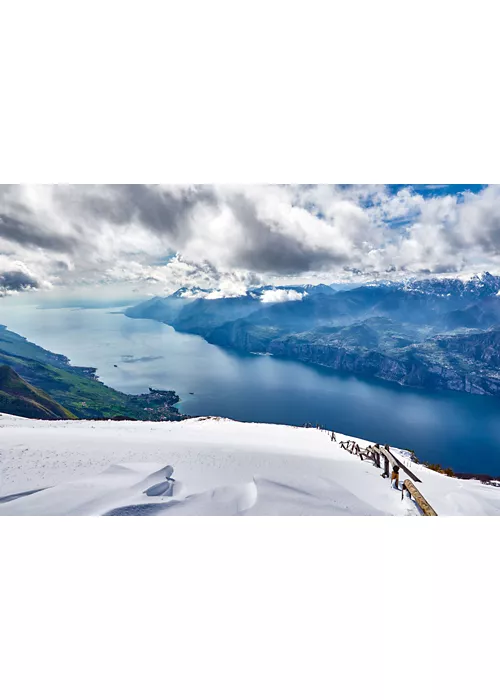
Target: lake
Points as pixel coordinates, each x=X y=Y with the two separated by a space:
x=450 y=428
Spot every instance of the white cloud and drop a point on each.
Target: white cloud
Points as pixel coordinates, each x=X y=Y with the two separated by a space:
x=221 y=294
x=276 y=296
x=230 y=237
x=193 y=294
x=212 y=294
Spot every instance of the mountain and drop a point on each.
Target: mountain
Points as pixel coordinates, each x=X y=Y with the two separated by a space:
x=202 y=315
x=209 y=467
x=476 y=287
x=476 y=347
x=189 y=293
x=405 y=331
x=159 y=308
x=308 y=312
x=22 y=399
x=483 y=314
x=189 y=310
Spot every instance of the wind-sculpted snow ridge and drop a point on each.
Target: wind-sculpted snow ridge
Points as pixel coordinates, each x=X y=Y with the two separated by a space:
x=205 y=467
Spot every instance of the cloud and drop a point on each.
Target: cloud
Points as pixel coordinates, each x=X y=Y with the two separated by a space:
x=194 y=293
x=434 y=187
x=16 y=281
x=16 y=277
x=276 y=296
x=225 y=293
x=255 y=228
x=230 y=237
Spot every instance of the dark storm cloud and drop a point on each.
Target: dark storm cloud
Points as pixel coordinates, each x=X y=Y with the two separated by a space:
x=154 y=208
x=28 y=234
x=266 y=248
x=16 y=280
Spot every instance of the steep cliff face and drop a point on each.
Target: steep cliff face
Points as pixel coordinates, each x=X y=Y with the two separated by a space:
x=468 y=363
x=244 y=336
x=479 y=347
x=408 y=369
x=356 y=360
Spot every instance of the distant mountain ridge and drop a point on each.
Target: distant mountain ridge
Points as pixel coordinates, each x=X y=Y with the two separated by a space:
x=435 y=333
x=475 y=287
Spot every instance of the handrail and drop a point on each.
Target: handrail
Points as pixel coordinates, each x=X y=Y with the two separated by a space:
x=395 y=461
x=424 y=505
x=376 y=452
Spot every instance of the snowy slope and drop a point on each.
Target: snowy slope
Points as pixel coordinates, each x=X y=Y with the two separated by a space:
x=220 y=467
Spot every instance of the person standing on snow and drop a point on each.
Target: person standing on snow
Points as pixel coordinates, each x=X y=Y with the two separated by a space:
x=395 y=476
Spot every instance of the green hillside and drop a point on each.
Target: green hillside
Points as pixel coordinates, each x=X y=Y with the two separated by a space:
x=21 y=399
x=78 y=388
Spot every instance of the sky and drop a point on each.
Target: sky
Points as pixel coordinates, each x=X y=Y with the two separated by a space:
x=126 y=240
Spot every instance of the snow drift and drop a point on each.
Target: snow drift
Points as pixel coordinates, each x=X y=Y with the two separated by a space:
x=205 y=466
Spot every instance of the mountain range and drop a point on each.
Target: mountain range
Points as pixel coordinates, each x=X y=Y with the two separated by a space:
x=432 y=333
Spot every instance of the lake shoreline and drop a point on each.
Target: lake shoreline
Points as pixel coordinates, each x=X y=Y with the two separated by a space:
x=455 y=429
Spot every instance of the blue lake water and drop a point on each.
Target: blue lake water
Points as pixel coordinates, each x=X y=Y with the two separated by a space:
x=454 y=429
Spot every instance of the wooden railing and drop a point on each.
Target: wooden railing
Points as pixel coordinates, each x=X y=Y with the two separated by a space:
x=377 y=454
x=412 y=491
x=394 y=461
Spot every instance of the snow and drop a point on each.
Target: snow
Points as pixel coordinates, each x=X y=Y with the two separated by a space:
x=205 y=466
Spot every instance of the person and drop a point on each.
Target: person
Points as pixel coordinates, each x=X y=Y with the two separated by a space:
x=395 y=476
